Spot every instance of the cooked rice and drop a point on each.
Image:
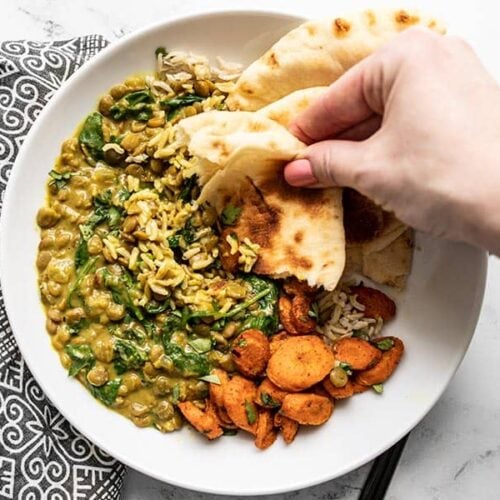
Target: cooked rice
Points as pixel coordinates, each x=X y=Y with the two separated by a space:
x=341 y=315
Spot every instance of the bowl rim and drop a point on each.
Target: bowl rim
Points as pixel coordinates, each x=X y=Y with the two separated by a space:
x=9 y=193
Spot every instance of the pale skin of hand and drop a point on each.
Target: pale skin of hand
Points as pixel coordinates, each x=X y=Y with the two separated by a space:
x=416 y=128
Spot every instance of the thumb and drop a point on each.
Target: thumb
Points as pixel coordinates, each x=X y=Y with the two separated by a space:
x=327 y=164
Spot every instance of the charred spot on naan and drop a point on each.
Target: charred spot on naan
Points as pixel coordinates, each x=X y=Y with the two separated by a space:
x=404 y=19
x=341 y=27
x=258 y=220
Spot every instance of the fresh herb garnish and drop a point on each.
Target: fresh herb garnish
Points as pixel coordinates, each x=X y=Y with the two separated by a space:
x=230 y=215
x=136 y=105
x=346 y=367
x=175 y=104
x=173 y=241
x=59 y=180
x=128 y=356
x=251 y=412
x=187 y=187
x=107 y=393
x=82 y=357
x=384 y=344
x=378 y=388
x=91 y=137
x=269 y=401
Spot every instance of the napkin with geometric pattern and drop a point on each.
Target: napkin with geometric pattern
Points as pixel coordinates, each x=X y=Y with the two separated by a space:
x=41 y=455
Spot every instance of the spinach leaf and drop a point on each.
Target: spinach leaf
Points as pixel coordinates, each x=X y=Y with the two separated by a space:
x=85 y=269
x=189 y=364
x=134 y=334
x=104 y=212
x=91 y=137
x=266 y=317
x=230 y=215
x=119 y=286
x=188 y=232
x=154 y=307
x=128 y=356
x=107 y=393
x=136 y=105
x=59 y=180
x=82 y=358
x=201 y=345
x=81 y=253
x=77 y=327
x=187 y=187
x=175 y=104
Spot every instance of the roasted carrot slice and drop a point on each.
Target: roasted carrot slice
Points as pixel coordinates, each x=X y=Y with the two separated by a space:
x=216 y=391
x=301 y=305
x=228 y=260
x=203 y=421
x=269 y=395
x=385 y=367
x=276 y=341
x=286 y=315
x=357 y=387
x=307 y=409
x=287 y=427
x=239 y=397
x=377 y=304
x=359 y=354
x=265 y=434
x=338 y=392
x=299 y=363
x=251 y=353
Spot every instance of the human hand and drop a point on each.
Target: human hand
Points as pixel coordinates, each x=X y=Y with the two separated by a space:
x=416 y=128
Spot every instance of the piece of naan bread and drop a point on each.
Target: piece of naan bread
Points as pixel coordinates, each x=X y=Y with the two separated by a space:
x=240 y=158
x=387 y=258
x=318 y=52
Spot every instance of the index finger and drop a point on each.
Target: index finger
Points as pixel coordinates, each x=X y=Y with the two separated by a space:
x=342 y=106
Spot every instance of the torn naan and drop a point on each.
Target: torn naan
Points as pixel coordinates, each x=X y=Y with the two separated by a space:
x=318 y=52
x=240 y=158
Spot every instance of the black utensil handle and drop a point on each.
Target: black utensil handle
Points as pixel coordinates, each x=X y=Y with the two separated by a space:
x=382 y=471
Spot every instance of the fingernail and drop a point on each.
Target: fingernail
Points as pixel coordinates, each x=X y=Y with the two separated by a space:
x=299 y=173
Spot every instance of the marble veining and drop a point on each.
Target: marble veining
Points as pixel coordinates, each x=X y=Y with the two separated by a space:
x=454 y=453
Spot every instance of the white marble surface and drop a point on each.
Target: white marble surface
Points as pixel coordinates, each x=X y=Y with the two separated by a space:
x=455 y=452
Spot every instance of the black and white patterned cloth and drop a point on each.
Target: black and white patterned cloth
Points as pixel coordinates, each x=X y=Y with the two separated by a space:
x=41 y=455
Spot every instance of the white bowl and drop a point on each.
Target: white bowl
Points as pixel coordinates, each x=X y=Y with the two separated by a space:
x=436 y=318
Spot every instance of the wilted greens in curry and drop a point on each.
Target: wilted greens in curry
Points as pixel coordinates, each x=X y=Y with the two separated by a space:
x=137 y=302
